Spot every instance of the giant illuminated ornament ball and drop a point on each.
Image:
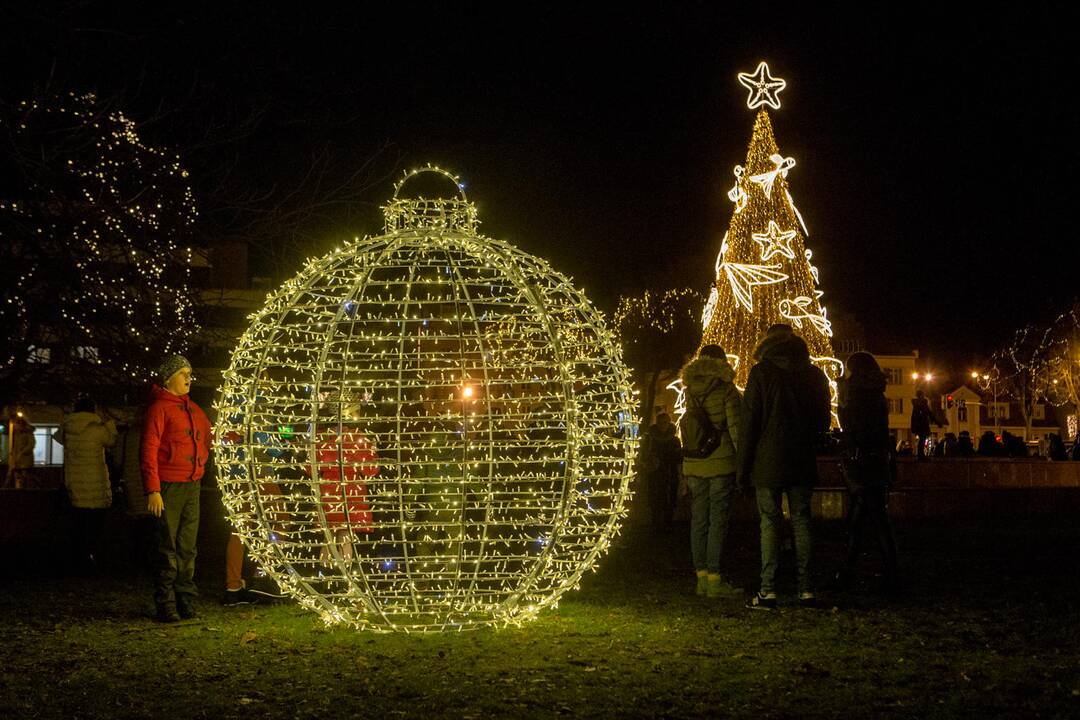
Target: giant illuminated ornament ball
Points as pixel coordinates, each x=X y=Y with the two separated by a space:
x=428 y=430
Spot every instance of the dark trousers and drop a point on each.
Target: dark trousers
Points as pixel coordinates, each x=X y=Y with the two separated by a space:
x=870 y=506
x=177 y=532
x=771 y=517
x=87 y=527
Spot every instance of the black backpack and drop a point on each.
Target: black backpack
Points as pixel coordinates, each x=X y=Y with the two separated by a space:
x=700 y=437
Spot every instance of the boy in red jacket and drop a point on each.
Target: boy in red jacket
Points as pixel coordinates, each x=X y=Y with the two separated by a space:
x=175 y=446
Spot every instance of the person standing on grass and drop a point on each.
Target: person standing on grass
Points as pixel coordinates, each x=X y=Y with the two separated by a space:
x=864 y=418
x=785 y=413
x=173 y=454
x=85 y=436
x=708 y=380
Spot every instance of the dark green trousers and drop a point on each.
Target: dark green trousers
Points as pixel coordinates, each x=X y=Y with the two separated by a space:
x=177 y=532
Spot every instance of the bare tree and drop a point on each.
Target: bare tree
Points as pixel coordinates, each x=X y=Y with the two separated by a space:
x=1064 y=370
x=657 y=331
x=1024 y=369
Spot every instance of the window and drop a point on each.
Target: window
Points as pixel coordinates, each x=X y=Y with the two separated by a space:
x=1038 y=412
x=86 y=352
x=961 y=412
x=40 y=355
x=999 y=411
x=893 y=376
x=46 y=450
x=896 y=405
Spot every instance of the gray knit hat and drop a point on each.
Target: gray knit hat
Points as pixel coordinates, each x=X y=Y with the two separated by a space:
x=170 y=365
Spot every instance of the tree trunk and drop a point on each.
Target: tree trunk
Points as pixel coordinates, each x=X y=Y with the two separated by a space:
x=650 y=398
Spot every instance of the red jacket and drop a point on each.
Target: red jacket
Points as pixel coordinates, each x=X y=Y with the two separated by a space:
x=345 y=461
x=175 y=440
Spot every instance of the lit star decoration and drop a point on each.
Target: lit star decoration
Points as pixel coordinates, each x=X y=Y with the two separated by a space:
x=775 y=242
x=461 y=428
x=764 y=274
x=764 y=89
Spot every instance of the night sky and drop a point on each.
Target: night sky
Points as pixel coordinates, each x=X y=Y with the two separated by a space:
x=935 y=154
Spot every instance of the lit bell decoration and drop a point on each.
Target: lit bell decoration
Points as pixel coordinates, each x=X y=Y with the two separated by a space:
x=428 y=430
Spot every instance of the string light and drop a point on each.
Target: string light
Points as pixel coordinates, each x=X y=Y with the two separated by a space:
x=775 y=242
x=107 y=212
x=749 y=296
x=461 y=428
x=743 y=278
x=767 y=179
x=764 y=89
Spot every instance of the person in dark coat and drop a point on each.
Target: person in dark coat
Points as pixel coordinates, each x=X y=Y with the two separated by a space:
x=662 y=457
x=989 y=445
x=709 y=382
x=964 y=446
x=864 y=418
x=920 y=422
x=785 y=413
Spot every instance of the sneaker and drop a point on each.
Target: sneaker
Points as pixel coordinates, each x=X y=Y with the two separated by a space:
x=702 y=583
x=808 y=600
x=762 y=601
x=241 y=596
x=717 y=588
x=187 y=609
x=166 y=613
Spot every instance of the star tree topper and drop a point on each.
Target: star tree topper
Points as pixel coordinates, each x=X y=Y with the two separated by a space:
x=764 y=88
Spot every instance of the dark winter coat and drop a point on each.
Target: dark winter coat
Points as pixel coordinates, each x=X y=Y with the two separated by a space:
x=864 y=418
x=920 y=417
x=709 y=382
x=785 y=413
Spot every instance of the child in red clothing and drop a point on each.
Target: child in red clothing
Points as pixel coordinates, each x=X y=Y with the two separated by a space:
x=346 y=460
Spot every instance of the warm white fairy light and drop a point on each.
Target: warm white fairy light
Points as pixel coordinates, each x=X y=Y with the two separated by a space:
x=764 y=270
x=764 y=88
x=775 y=241
x=743 y=278
x=767 y=179
x=799 y=309
x=736 y=194
x=111 y=220
x=436 y=427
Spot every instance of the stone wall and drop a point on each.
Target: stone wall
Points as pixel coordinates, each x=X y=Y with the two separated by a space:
x=970 y=488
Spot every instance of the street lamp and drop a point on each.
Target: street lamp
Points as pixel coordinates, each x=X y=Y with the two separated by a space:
x=988 y=382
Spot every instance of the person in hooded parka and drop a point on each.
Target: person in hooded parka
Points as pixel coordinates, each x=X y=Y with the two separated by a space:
x=708 y=382
x=85 y=435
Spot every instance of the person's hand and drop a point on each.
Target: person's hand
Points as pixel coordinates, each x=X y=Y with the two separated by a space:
x=155 y=504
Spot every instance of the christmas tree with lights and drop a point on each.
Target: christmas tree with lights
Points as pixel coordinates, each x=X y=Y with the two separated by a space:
x=94 y=268
x=764 y=273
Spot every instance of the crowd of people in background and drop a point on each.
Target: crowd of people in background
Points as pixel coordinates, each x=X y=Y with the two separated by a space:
x=764 y=443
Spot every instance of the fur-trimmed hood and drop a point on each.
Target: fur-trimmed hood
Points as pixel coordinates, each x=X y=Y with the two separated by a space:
x=705 y=372
x=785 y=350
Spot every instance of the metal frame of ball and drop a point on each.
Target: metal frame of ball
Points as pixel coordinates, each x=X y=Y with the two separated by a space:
x=329 y=482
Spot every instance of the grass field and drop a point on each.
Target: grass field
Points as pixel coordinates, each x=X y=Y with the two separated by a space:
x=989 y=627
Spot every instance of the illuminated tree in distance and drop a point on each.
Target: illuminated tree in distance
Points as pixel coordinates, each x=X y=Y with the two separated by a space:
x=93 y=264
x=764 y=272
x=657 y=330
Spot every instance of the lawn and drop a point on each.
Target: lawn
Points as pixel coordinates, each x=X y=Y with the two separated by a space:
x=989 y=627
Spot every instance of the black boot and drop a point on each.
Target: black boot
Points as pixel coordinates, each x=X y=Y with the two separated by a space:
x=166 y=613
